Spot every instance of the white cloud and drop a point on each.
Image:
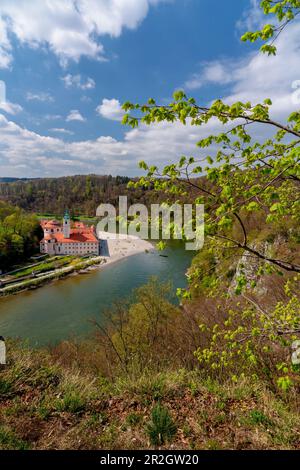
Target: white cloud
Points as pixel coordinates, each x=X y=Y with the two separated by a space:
x=257 y=76
x=23 y=152
x=75 y=115
x=10 y=108
x=39 y=96
x=5 y=47
x=85 y=99
x=53 y=117
x=61 y=130
x=253 y=77
x=71 y=29
x=110 y=109
x=252 y=19
x=77 y=82
x=214 y=72
x=5 y=58
x=271 y=77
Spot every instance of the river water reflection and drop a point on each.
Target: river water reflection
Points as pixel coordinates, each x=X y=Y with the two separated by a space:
x=64 y=308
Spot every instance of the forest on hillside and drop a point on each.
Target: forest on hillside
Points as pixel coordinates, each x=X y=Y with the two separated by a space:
x=19 y=235
x=7 y=179
x=80 y=194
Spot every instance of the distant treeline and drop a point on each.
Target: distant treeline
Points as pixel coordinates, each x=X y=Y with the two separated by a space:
x=19 y=235
x=80 y=194
x=9 y=180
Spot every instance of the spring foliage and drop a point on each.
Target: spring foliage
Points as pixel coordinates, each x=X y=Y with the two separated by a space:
x=238 y=176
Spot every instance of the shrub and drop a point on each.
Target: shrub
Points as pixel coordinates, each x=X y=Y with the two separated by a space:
x=5 y=387
x=257 y=417
x=162 y=427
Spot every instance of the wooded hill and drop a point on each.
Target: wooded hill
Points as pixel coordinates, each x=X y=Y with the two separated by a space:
x=82 y=194
x=19 y=235
x=10 y=180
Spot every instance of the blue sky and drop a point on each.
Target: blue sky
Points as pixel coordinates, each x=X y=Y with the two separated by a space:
x=68 y=66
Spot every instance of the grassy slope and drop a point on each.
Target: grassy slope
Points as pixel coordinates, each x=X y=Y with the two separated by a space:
x=44 y=405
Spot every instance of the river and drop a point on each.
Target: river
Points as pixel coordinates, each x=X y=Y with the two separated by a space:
x=64 y=309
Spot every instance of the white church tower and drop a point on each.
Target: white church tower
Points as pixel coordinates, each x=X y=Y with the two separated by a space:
x=67 y=225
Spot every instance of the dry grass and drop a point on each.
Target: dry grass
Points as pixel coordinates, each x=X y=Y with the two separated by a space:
x=44 y=405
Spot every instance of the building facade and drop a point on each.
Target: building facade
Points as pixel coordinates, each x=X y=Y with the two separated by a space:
x=67 y=239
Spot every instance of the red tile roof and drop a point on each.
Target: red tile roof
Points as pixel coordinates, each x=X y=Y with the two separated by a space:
x=50 y=223
x=80 y=234
x=76 y=237
x=79 y=225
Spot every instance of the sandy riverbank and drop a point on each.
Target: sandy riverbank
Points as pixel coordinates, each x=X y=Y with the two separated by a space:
x=116 y=247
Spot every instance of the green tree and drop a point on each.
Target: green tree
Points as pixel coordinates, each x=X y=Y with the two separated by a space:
x=19 y=235
x=141 y=335
x=238 y=178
